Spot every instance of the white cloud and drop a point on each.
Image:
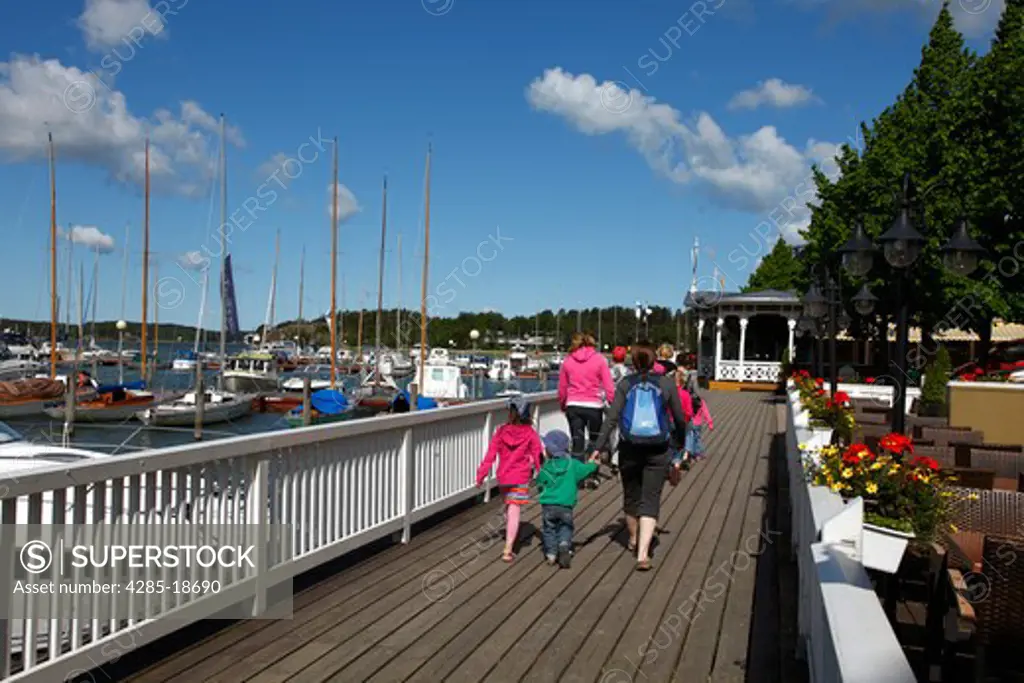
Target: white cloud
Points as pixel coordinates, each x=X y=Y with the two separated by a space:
x=348 y=205
x=773 y=93
x=90 y=236
x=110 y=23
x=192 y=260
x=973 y=18
x=92 y=125
x=752 y=172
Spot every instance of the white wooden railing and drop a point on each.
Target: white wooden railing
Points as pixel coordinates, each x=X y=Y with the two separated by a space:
x=749 y=371
x=844 y=633
x=334 y=487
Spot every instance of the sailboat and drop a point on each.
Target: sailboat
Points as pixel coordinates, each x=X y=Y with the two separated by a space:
x=117 y=402
x=219 y=405
x=30 y=396
x=378 y=390
x=330 y=404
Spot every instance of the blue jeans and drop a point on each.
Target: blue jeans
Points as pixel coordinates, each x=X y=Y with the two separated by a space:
x=694 y=443
x=556 y=528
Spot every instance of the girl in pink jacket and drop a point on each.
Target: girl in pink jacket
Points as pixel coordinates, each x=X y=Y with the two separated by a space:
x=517 y=448
x=584 y=388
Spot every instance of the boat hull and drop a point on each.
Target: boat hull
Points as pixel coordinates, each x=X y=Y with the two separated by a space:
x=320 y=418
x=176 y=416
x=107 y=413
x=23 y=408
x=249 y=384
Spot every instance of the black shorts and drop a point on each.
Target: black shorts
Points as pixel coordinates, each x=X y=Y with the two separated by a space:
x=642 y=469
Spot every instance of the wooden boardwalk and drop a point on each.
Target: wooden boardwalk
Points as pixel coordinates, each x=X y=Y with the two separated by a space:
x=445 y=608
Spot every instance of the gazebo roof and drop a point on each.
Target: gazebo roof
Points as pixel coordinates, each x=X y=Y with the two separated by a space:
x=702 y=299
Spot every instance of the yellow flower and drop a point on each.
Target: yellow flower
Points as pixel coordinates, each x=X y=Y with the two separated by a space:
x=837 y=487
x=847 y=473
x=972 y=496
x=803 y=447
x=876 y=466
x=872 y=487
x=925 y=478
x=953 y=528
x=894 y=471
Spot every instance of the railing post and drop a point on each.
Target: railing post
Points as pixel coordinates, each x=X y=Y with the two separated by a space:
x=488 y=427
x=406 y=486
x=257 y=500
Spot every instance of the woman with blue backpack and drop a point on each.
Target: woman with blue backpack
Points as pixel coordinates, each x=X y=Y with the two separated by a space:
x=640 y=410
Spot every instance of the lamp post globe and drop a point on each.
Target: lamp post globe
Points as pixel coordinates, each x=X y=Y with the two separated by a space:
x=815 y=304
x=474 y=334
x=961 y=253
x=864 y=302
x=858 y=252
x=901 y=244
x=121 y=326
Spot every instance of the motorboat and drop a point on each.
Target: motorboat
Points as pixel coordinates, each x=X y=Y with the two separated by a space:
x=17 y=367
x=518 y=360
x=113 y=403
x=443 y=383
x=186 y=361
x=555 y=361
x=401 y=365
x=251 y=372
x=297 y=380
x=218 y=406
x=500 y=371
x=18 y=346
x=326 y=405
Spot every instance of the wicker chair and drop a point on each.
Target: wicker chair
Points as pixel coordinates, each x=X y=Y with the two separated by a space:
x=941 y=454
x=1007 y=464
x=973 y=478
x=944 y=436
x=988 y=512
x=964 y=450
x=999 y=606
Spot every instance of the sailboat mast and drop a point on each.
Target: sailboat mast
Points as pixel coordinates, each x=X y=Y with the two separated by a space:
x=67 y=287
x=145 y=265
x=426 y=268
x=156 y=312
x=124 y=271
x=81 y=305
x=95 y=290
x=302 y=278
x=202 y=311
x=380 y=273
x=334 y=268
x=53 y=261
x=223 y=255
x=398 y=304
x=273 y=285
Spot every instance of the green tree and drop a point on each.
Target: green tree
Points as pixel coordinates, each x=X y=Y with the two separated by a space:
x=779 y=269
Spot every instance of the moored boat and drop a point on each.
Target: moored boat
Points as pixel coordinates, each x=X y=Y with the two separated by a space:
x=27 y=397
x=251 y=372
x=115 y=403
x=218 y=406
x=326 y=405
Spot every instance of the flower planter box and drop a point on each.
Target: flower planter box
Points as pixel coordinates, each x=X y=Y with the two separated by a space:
x=884 y=548
x=993 y=408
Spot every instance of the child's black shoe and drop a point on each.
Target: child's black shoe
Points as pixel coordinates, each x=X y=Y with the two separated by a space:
x=564 y=558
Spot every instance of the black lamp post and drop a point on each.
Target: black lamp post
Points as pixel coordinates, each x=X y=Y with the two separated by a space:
x=901 y=245
x=821 y=306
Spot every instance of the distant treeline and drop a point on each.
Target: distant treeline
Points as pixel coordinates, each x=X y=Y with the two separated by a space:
x=618 y=325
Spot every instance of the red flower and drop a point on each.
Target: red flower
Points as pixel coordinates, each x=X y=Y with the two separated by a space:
x=897 y=444
x=819 y=381
x=966 y=378
x=819 y=392
x=979 y=371
x=870 y=380
x=923 y=461
x=804 y=373
x=842 y=398
x=857 y=452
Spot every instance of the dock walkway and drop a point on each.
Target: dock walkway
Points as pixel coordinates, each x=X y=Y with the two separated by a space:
x=445 y=608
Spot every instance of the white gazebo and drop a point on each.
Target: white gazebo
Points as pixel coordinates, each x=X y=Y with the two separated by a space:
x=733 y=355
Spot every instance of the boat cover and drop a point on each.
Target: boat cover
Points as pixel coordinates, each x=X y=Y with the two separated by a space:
x=138 y=385
x=328 y=401
x=33 y=388
x=422 y=402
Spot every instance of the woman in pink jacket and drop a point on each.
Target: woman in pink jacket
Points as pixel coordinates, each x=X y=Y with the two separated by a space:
x=584 y=389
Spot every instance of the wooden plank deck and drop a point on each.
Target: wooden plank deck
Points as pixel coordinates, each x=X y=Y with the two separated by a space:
x=445 y=608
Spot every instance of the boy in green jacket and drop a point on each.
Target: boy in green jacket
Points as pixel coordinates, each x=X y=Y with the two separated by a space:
x=558 y=482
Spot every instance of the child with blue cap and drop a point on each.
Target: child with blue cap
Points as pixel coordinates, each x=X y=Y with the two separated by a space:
x=558 y=484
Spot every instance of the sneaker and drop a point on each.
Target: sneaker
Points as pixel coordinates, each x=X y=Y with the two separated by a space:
x=550 y=559
x=564 y=558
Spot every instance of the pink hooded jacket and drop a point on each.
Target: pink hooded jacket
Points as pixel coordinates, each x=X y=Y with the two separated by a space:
x=583 y=378
x=518 y=450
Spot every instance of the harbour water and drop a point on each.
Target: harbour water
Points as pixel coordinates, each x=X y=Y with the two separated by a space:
x=133 y=436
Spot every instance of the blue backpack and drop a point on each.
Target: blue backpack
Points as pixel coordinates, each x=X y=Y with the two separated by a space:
x=644 y=418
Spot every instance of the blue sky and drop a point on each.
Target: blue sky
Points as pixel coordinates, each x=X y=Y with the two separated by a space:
x=601 y=137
